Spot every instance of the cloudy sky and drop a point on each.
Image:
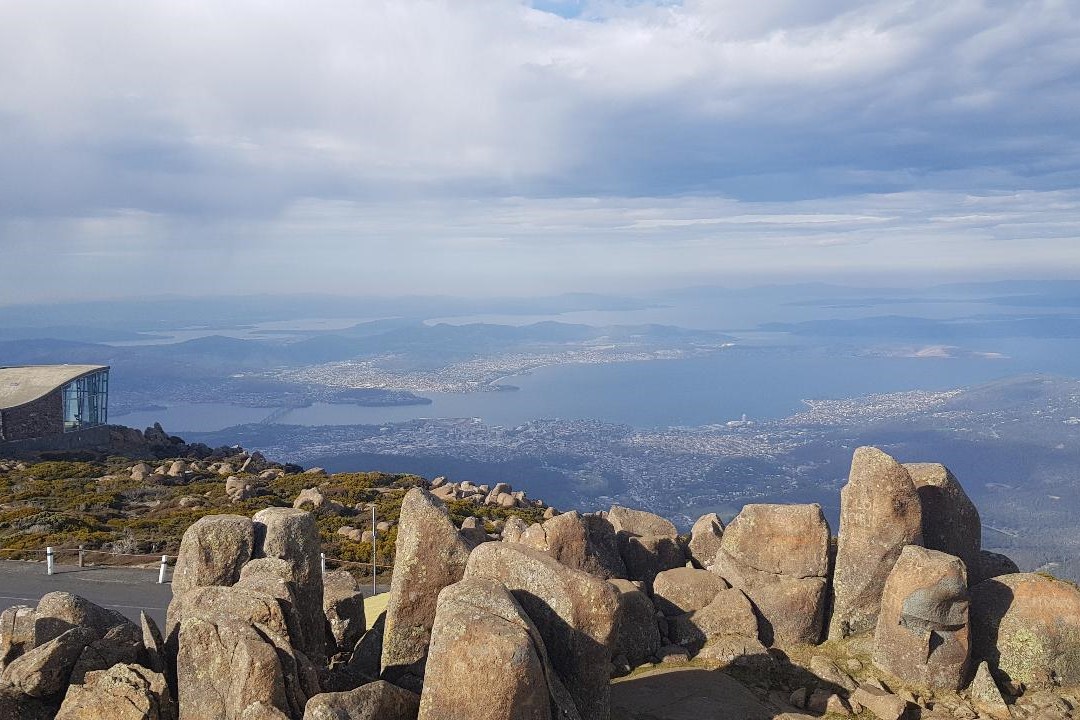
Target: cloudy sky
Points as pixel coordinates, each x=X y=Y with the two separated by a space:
x=476 y=146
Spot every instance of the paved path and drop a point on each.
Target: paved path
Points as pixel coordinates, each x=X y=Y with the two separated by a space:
x=127 y=590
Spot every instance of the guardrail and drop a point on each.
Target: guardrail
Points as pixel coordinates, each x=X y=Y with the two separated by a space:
x=51 y=553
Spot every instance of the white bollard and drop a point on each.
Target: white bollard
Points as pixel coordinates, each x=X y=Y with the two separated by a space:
x=322 y=562
x=48 y=561
x=161 y=571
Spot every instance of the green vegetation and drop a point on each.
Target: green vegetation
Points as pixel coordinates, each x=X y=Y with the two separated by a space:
x=100 y=506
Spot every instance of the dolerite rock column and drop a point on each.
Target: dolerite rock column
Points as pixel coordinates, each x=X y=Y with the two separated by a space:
x=487 y=660
x=574 y=611
x=430 y=554
x=880 y=513
x=922 y=634
x=950 y=521
x=291 y=535
x=779 y=556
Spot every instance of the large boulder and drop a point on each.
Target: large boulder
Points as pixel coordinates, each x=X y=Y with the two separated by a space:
x=950 y=521
x=58 y=612
x=378 y=700
x=880 y=513
x=574 y=611
x=430 y=554
x=241 y=616
x=640 y=522
x=705 y=539
x=16 y=632
x=273 y=578
x=121 y=692
x=343 y=605
x=648 y=543
x=583 y=542
x=636 y=637
x=779 y=556
x=122 y=645
x=729 y=614
x=226 y=668
x=212 y=551
x=479 y=626
x=46 y=670
x=922 y=634
x=683 y=590
x=291 y=535
x=514 y=528
x=1027 y=626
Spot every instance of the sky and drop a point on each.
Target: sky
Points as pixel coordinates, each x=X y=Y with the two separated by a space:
x=501 y=146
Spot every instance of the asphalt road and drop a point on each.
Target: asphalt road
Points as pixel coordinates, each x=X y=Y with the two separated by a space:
x=127 y=590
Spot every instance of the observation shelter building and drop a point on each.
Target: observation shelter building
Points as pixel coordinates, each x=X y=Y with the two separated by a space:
x=53 y=404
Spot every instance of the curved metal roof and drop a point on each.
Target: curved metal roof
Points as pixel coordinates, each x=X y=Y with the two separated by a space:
x=27 y=383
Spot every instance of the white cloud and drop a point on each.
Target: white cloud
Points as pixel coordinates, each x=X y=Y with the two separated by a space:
x=450 y=129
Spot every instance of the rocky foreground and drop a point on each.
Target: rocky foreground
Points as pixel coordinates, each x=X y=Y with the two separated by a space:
x=902 y=615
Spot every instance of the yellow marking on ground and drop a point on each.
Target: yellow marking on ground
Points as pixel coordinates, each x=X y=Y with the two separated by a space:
x=374 y=606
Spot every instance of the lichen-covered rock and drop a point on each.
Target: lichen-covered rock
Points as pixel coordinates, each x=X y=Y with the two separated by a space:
x=574 y=611
x=640 y=523
x=730 y=613
x=779 y=556
x=343 y=605
x=378 y=700
x=514 y=528
x=58 y=612
x=479 y=626
x=121 y=692
x=683 y=590
x=46 y=670
x=275 y=578
x=243 y=611
x=1027 y=626
x=16 y=632
x=986 y=697
x=430 y=554
x=922 y=634
x=212 y=551
x=880 y=513
x=225 y=667
x=647 y=543
x=121 y=645
x=950 y=521
x=636 y=636
x=583 y=542
x=291 y=535
x=705 y=539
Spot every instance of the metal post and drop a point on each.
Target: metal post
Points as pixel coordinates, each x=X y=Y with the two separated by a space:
x=374 y=569
x=322 y=563
x=80 y=556
x=48 y=561
x=161 y=571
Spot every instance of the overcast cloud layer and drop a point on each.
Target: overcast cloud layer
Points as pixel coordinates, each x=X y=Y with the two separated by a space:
x=491 y=146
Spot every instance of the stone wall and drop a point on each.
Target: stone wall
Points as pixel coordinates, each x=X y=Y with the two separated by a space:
x=79 y=440
x=41 y=418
